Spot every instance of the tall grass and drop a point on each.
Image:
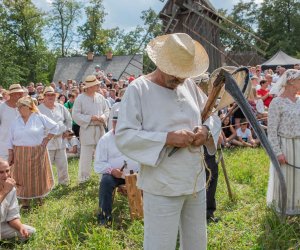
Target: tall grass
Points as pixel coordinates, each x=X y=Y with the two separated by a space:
x=67 y=220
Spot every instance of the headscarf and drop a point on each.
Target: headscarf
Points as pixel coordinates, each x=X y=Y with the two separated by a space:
x=288 y=77
x=29 y=102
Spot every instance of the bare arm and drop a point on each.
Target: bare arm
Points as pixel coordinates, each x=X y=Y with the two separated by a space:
x=16 y=224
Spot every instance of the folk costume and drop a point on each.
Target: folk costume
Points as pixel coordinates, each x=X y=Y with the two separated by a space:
x=9 y=210
x=32 y=169
x=174 y=187
x=7 y=116
x=56 y=146
x=107 y=158
x=284 y=136
x=90 y=132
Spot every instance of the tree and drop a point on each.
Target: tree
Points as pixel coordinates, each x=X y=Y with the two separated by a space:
x=244 y=16
x=94 y=37
x=279 y=24
x=63 y=16
x=21 y=37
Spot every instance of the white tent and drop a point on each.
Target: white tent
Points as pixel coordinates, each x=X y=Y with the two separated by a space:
x=281 y=59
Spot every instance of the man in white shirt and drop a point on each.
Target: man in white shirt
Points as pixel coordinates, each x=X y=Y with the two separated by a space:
x=11 y=225
x=113 y=165
x=158 y=112
x=56 y=146
x=90 y=112
x=8 y=113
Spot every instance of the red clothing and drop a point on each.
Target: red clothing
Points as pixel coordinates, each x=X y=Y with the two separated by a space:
x=263 y=92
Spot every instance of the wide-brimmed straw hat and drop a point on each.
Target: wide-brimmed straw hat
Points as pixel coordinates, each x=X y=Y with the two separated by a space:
x=49 y=90
x=90 y=81
x=178 y=55
x=15 y=88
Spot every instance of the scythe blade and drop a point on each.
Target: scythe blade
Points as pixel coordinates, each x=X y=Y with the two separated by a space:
x=232 y=88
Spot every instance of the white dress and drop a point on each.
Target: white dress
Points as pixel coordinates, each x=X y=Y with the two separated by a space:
x=284 y=136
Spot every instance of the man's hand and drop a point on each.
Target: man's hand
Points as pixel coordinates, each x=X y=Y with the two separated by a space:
x=96 y=118
x=116 y=173
x=180 y=138
x=200 y=136
x=8 y=185
x=23 y=231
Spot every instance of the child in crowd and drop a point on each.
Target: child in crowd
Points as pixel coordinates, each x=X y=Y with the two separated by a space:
x=245 y=136
x=72 y=144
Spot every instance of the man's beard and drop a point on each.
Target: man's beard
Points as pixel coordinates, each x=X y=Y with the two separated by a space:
x=173 y=84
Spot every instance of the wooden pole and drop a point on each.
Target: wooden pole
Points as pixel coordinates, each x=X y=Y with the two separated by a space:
x=221 y=158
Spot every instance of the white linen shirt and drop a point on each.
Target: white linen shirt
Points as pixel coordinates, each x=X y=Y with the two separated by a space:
x=62 y=117
x=7 y=116
x=147 y=113
x=108 y=156
x=83 y=110
x=32 y=132
x=10 y=207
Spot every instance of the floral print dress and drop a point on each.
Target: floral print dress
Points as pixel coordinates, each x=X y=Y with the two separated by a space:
x=284 y=136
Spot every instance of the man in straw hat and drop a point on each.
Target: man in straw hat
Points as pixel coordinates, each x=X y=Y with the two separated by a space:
x=8 y=114
x=158 y=112
x=90 y=112
x=56 y=146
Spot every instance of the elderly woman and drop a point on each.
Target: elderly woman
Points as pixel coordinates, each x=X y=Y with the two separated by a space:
x=284 y=136
x=29 y=136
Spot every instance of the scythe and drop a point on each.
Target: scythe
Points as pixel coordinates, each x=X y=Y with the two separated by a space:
x=232 y=91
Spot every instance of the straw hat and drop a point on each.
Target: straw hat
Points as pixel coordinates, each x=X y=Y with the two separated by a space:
x=15 y=88
x=178 y=55
x=90 y=81
x=49 y=90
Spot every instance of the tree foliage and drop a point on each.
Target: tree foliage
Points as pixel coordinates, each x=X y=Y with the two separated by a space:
x=94 y=37
x=22 y=43
x=63 y=18
x=275 y=21
x=279 y=24
x=244 y=17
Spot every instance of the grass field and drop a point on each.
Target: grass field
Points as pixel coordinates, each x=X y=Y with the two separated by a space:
x=67 y=220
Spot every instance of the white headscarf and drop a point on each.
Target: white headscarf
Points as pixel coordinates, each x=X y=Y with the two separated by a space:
x=288 y=77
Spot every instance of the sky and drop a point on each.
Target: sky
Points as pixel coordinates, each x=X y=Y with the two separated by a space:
x=126 y=13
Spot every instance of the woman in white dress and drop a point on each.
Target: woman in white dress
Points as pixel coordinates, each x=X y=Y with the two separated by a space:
x=284 y=136
x=29 y=136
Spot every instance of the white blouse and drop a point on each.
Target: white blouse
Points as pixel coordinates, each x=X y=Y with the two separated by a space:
x=32 y=132
x=283 y=120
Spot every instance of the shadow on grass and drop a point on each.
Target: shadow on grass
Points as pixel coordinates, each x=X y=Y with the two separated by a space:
x=60 y=191
x=277 y=234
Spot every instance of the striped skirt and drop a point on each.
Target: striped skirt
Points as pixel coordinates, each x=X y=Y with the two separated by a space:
x=32 y=172
x=291 y=150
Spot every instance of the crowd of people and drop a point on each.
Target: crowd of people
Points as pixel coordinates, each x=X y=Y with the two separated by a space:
x=41 y=126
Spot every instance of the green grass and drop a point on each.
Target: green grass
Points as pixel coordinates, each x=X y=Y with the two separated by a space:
x=67 y=220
